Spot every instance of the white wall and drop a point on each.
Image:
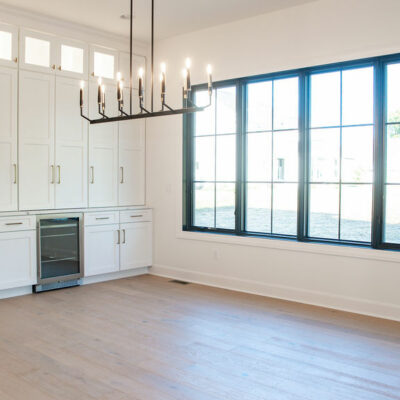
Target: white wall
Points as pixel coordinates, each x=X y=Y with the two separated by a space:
x=359 y=280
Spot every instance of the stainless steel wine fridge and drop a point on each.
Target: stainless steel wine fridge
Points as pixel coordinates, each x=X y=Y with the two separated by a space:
x=60 y=259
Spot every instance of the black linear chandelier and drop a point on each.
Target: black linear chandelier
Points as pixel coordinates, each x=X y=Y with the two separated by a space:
x=188 y=105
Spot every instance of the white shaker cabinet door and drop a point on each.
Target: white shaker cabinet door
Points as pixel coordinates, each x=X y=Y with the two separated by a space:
x=8 y=139
x=103 y=152
x=36 y=140
x=71 y=146
x=136 y=245
x=101 y=249
x=132 y=163
x=17 y=259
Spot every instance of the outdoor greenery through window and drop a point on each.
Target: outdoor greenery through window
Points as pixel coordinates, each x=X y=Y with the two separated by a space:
x=311 y=154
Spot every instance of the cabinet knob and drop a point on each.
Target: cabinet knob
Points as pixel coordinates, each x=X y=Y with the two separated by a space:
x=59 y=67
x=53 y=66
x=92 y=73
x=15 y=59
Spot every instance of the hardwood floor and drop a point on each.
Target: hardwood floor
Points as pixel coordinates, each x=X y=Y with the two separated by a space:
x=146 y=338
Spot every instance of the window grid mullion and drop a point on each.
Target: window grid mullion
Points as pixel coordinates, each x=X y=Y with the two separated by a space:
x=340 y=156
x=272 y=154
x=301 y=210
x=215 y=159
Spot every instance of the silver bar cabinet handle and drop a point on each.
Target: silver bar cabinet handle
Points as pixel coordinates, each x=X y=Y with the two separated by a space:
x=52 y=174
x=92 y=172
x=59 y=174
x=119 y=237
x=14 y=223
x=122 y=174
x=123 y=230
x=15 y=173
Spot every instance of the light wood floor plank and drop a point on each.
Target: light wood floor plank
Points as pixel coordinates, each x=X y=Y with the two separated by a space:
x=146 y=338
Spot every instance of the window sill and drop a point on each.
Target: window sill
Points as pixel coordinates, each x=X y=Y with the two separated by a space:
x=289 y=245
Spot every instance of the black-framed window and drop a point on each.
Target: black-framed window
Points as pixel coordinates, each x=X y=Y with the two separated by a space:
x=341 y=154
x=391 y=229
x=214 y=160
x=271 y=172
x=310 y=154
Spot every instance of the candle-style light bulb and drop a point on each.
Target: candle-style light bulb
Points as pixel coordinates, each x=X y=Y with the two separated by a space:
x=103 y=97
x=163 y=67
x=188 y=65
x=141 y=72
x=99 y=91
x=81 y=94
x=121 y=93
x=209 y=74
x=162 y=80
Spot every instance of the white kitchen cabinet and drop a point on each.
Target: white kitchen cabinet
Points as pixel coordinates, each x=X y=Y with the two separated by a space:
x=71 y=140
x=132 y=157
x=17 y=259
x=103 y=152
x=103 y=63
x=111 y=247
x=37 y=51
x=71 y=58
x=8 y=45
x=136 y=245
x=101 y=249
x=8 y=139
x=132 y=163
x=36 y=140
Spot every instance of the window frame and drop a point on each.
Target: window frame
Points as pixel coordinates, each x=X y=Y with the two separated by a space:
x=379 y=64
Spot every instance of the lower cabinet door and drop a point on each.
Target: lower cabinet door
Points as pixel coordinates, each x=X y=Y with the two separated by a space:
x=101 y=249
x=136 y=245
x=17 y=259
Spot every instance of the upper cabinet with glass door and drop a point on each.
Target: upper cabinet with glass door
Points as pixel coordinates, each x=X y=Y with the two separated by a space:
x=8 y=45
x=37 y=51
x=103 y=63
x=72 y=58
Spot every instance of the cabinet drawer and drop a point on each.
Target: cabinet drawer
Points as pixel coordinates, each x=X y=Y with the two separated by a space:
x=101 y=218
x=11 y=224
x=135 y=216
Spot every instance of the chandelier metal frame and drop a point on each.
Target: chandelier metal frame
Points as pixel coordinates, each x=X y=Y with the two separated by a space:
x=188 y=105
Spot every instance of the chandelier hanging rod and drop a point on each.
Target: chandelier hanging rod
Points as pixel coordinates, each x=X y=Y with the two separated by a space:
x=188 y=105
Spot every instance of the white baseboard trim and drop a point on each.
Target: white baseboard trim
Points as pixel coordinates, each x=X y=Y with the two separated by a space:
x=321 y=299
x=114 y=275
x=21 y=291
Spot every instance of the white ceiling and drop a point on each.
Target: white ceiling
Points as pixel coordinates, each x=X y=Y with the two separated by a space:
x=173 y=17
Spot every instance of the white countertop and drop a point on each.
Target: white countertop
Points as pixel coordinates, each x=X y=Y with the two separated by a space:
x=70 y=210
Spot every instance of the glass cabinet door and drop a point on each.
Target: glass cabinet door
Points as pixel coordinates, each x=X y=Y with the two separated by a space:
x=103 y=63
x=8 y=45
x=59 y=247
x=72 y=59
x=37 y=51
